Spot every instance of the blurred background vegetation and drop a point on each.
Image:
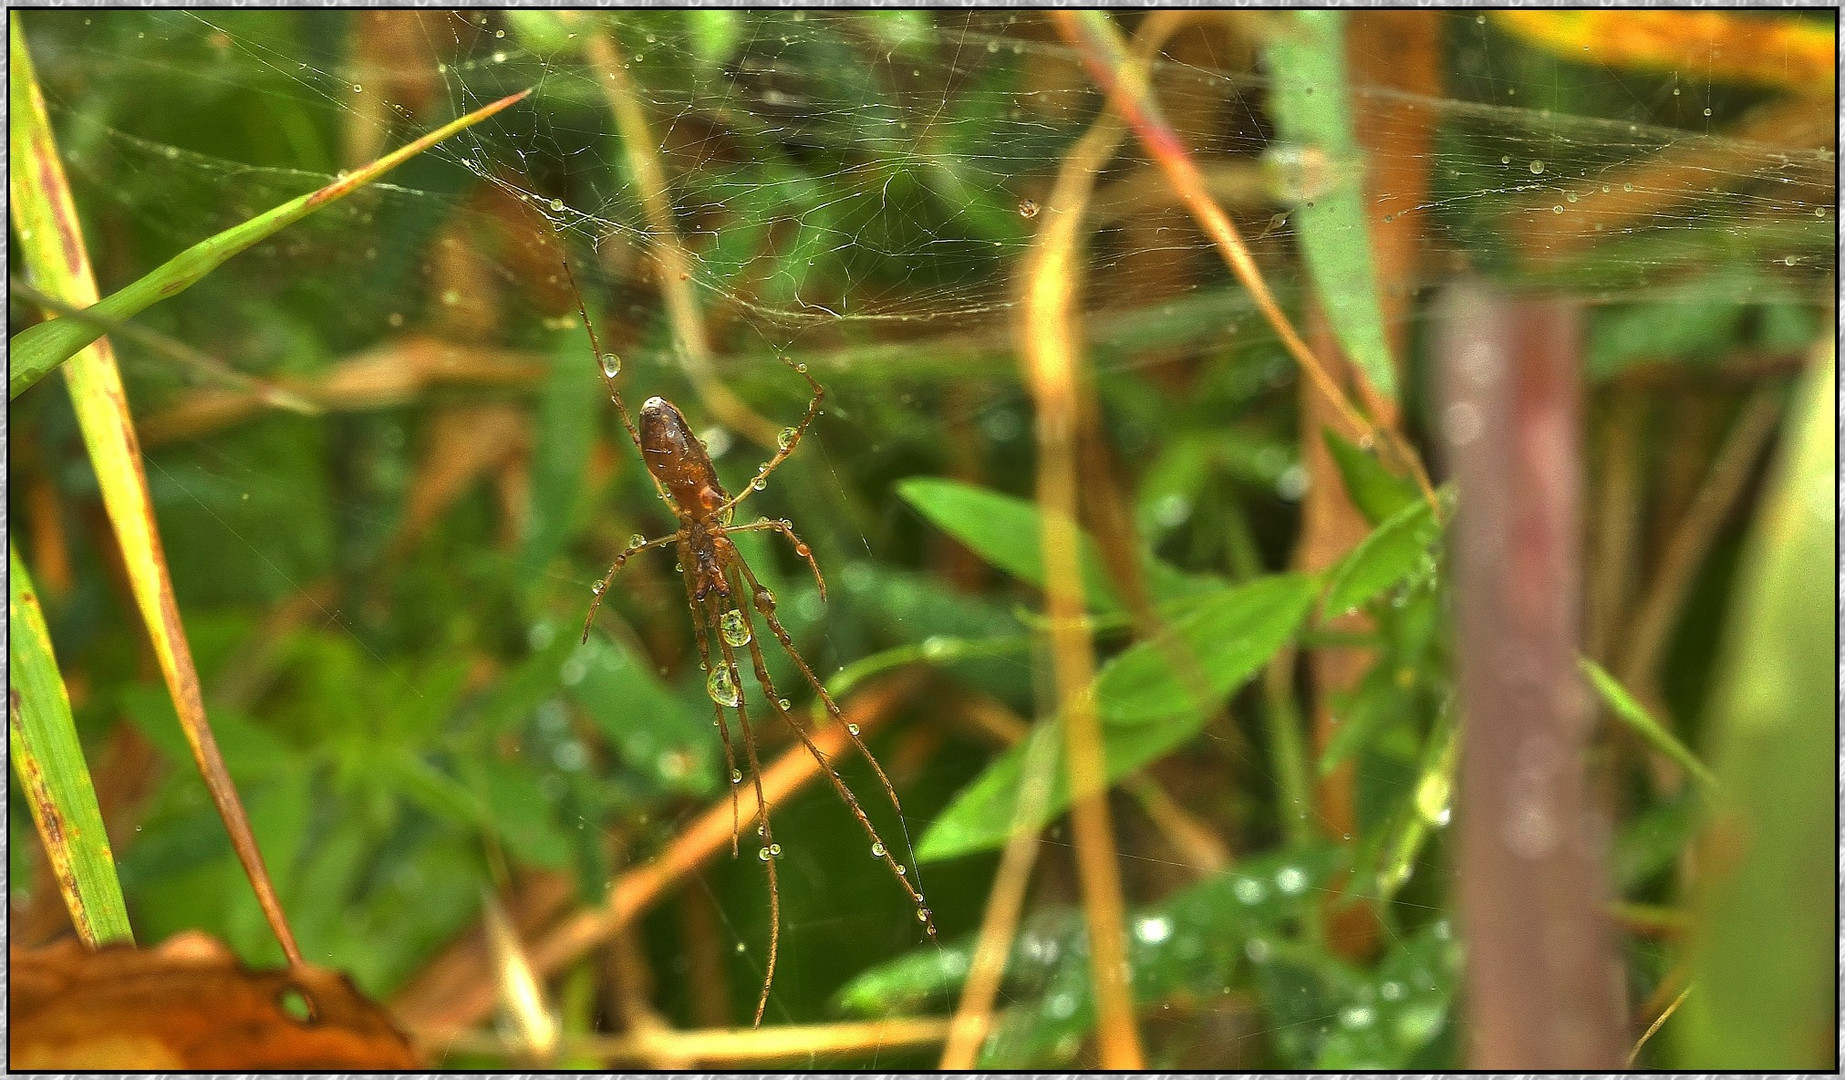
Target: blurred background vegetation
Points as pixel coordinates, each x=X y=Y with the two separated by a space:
x=384 y=598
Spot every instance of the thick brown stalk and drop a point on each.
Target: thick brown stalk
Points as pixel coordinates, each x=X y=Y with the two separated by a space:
x=1543 y=978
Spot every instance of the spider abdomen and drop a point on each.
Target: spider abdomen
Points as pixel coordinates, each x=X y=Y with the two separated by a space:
x=676 y=456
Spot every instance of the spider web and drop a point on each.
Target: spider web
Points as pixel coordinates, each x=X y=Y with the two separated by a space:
x=856 y=189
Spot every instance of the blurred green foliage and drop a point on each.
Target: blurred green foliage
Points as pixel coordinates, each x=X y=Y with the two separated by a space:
x=408 y=712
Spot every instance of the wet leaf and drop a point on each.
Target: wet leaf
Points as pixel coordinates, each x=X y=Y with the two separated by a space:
x=1146 y=707
x=1395 y=550
x=1377 y=492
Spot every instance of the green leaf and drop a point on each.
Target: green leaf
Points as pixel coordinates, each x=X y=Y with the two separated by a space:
x=54 y=779
x=568 y=408
x=1326 y=1015
x=715 y=34
x=1308 y=96
x=1635 y=715
x=1762 y=954
x=1147 y=708
x=1394 y=551
x=1005 y=532
x=520 y=813
x=42 y=347
x=1377 y=492
x=656 y=731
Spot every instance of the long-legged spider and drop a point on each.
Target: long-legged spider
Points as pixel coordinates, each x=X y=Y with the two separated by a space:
x=716 y=577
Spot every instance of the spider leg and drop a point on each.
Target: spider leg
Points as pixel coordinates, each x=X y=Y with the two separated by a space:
x=762 y=803
x=717 y=710
x=608 y=380
x=765 y=604
x=800 y=547
x=879 y=847
x=792 y=436
x=602 y=587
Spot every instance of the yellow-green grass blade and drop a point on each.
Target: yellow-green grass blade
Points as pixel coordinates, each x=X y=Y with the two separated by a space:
x=52 y=243
x=52 y=774
x=1629 y=711
x=40 y=348
x=1762 y=955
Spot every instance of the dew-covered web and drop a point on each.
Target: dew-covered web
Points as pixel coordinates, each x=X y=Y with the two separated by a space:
x=854 y=190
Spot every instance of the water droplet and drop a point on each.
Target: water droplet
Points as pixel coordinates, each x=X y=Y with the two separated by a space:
x=1256 y=949
x=611 y=364
x=799 y=549
x=499 y=33
x=596 y=589
x=1505 y=159
x=763 y=854
x=736 y=776
x=1153 y=929
x=1627 y=187
x=741 y=947
x=678 y=568
x=450 y=298
x=852 y=729
x=721 y=687
x=1028 y=209
x=922 y=914
x=902 y=870
x=557 y=204
x=1391 y=991
x=357 y=89
x=786 y=438
x=877 y=851
x=759 y=483
x=1249 y=890
x=802 y=368
x=775 y=849
x=735 y=630
x=1357 y=1016
x=636 y=540
x=1290 y=880
x=1537 y=167
x=784 y=703
x=1557 y=209
x=1569 y=196
x=1707 y=111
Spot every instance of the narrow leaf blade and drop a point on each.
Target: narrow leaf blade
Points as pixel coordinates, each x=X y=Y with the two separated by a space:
x=53 y=776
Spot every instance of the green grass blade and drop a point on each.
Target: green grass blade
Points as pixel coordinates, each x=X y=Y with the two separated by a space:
x=1762 y=959
x=53 y=777
x=1635 y=715
x=1309 y=98
x=38 y=349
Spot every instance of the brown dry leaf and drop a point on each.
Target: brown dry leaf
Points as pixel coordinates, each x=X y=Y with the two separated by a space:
x=188 y=1005
x=463 y=443
x=396 y=372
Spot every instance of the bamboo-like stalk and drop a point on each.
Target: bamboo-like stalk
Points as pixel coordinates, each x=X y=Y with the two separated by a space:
x=673 y=263
x=1051 y=357
x=737 y=1047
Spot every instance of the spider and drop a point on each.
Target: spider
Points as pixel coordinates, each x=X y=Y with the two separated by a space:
x=725 y=599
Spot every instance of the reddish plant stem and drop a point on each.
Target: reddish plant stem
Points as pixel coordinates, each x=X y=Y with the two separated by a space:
x=1544 y=982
